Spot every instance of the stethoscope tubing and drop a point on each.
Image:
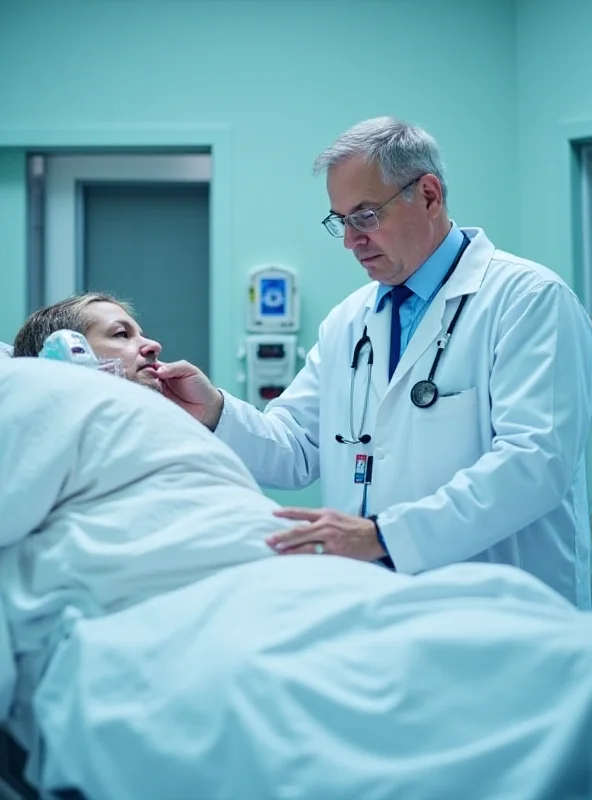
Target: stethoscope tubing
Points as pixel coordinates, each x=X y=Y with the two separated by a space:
x=423 y=393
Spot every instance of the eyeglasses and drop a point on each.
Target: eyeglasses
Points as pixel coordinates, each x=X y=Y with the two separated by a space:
x=365 y=220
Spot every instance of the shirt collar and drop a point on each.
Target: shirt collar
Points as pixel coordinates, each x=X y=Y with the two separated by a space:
x=426 y=280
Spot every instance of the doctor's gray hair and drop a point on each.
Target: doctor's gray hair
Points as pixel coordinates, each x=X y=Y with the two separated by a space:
x=404 y=152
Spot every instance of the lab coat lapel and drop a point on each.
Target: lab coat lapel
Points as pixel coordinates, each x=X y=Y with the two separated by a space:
x=379 y=331
x=430 y=328
x=466 y=279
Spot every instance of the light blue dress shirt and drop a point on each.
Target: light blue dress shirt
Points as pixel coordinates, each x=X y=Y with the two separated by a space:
x=424 y=283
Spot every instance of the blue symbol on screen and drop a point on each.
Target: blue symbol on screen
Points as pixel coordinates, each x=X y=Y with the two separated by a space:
x=273 y=297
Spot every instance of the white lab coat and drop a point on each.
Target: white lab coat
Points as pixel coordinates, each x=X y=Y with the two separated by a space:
x=495 y=471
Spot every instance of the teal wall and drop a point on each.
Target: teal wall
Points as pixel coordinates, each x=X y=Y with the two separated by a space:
x=277 y=80
x=285 y=77
x=554 y=89
x=554 y=85
x=12 y=240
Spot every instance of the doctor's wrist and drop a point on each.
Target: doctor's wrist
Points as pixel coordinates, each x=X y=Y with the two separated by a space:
x=379 y=536
x=214 y=412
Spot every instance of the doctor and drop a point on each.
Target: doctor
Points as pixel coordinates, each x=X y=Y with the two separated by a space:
x=446 y=404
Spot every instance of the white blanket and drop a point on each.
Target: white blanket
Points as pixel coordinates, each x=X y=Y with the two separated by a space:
x=171 y=658
x=318 y=678
x=109 y=494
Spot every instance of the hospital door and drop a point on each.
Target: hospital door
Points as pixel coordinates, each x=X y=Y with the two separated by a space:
x=148 y=243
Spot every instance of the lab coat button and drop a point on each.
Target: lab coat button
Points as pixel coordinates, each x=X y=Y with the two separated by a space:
x=378 y=453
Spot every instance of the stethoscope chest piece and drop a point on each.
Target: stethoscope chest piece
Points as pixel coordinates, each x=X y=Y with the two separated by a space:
x=424 y=394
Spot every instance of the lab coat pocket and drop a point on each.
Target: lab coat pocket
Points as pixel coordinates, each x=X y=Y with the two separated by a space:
x=452 y=403
x=448 y=435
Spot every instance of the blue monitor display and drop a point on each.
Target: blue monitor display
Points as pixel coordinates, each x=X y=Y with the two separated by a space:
x=273 y=297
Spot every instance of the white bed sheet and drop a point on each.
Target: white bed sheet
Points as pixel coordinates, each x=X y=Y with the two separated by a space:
x=109 y=494
x=319 y=678
x=164 y=667
x=7 y=667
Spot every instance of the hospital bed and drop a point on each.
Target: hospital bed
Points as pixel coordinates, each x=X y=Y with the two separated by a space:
x=326 y=691
x=12 y=757
x=309 y=678
x=13 y=785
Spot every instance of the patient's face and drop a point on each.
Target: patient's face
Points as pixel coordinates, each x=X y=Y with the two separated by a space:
x=112 y=333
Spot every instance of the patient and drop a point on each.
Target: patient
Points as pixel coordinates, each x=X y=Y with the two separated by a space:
x=109 y=327
x=163 y=651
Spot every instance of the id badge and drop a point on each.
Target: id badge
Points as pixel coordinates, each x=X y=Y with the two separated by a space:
x=360 y=469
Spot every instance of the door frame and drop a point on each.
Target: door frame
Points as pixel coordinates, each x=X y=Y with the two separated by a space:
x=215 y=139
x=66 y=175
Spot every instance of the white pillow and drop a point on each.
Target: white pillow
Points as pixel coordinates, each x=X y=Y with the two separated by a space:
x=5 y=350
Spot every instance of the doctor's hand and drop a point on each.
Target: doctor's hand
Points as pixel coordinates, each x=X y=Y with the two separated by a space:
x=329 y=532
x=192 y=390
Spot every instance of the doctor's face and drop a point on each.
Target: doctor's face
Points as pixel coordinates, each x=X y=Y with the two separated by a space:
x=112 y=333
x=408 y=229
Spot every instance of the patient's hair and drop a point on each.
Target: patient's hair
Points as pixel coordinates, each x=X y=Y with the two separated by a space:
x=67 y=314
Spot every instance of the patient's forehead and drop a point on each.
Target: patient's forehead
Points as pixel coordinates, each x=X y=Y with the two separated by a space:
x=103 y=313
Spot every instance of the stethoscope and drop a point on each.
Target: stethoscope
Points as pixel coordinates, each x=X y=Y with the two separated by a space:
x=423 y=393
x=364 y=438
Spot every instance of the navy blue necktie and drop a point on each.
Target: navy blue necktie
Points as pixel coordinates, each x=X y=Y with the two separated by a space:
x=398 y=296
